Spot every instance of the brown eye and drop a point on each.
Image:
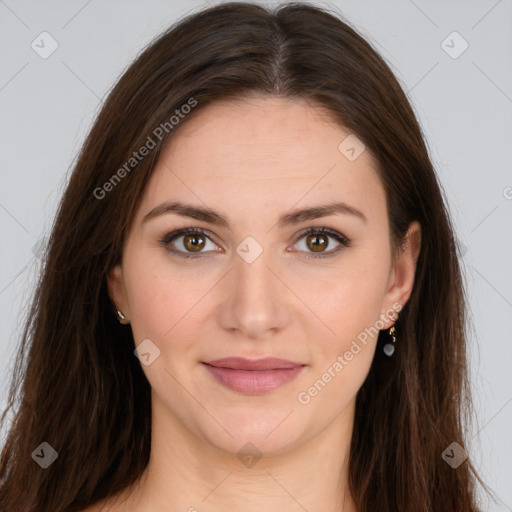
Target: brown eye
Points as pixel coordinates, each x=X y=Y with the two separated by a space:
x=194 y=243
x=188 y=243
x=317 y=243
x=321 y=243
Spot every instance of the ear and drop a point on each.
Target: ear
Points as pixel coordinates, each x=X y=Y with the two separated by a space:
x=117 y=290
x=401 y=277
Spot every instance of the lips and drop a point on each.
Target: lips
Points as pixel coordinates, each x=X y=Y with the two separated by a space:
x=253 y=376
x=240 y=363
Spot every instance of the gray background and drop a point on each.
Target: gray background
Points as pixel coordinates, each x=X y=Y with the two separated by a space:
x=464 y=105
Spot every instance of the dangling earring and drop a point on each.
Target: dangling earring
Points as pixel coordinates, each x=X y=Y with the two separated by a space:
x=389 y=348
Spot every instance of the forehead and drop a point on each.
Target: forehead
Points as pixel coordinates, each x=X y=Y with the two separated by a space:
x=264 y=151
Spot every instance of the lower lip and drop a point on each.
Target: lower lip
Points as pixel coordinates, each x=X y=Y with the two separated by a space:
x=253 y=382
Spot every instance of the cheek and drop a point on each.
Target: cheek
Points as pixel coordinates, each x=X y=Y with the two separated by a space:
x=166 y=302
x=157 y=298
x=347 y=301
x=344 y=356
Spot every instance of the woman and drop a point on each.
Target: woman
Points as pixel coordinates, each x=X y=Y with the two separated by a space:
x=251 y=298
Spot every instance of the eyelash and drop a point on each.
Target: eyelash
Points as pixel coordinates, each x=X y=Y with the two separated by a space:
x=341 y=239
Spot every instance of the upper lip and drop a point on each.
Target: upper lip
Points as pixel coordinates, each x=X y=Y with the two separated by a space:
x=240 y=363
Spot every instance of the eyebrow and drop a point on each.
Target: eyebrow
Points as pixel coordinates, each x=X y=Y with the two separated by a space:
x=206 y=214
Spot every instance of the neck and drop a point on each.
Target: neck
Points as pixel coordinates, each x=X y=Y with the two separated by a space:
x=186 y=473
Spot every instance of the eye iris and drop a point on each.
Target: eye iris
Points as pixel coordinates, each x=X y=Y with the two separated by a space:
x=317 y=246
x=193 y=243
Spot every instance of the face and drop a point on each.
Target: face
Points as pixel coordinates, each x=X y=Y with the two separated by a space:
x=256 y=279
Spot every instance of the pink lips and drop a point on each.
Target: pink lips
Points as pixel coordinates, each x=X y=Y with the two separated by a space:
x=253 y=376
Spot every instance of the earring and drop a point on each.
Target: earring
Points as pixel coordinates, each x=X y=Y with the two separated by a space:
x=389 y=348
x=122 y=319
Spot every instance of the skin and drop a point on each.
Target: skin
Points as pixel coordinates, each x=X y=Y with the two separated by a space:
x=254 y=160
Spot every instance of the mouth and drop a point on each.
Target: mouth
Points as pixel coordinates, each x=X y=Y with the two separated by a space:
x=253 y=377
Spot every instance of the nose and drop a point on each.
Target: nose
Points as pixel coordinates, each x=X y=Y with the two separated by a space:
x=257 y=302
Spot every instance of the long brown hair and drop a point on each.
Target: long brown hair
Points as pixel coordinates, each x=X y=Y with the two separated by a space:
x=77 y=384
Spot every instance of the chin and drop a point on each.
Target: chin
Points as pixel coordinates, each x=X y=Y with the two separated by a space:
x=272 y=432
